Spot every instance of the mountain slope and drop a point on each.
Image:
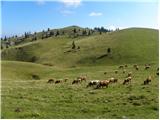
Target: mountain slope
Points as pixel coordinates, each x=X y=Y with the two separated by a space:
x=133 y=45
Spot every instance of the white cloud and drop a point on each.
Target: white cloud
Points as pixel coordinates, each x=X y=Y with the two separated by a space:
x=71 y=3
x=95 y=14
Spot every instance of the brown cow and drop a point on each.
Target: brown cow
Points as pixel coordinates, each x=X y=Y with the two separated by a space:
x=147 y=67
x=105 y=73
x=126 y=65
x=124 y=71
x=50 y=81
x=103 y=83
x=137 y=67
x=148 y=80
x=76 y=81
x=58 y=81
x=127 y=80
x=129 y=74
x=66 y=79
x=82 y=78
x=121 y=66
x=113 y=80
x=116 y=71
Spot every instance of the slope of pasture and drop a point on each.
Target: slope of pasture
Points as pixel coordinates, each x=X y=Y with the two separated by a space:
x=134 y=45
x=24 y=97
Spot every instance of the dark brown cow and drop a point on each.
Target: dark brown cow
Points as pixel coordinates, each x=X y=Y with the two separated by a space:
x=66 y=79
x=116 y=71
x=126 y=65
x=50 y=81
x=58 y=81
x=148 y=80
x=76 y=81
x=129 y=74
x=127 y=80
x=105 y=73
x=121 y=66
x=137 y=67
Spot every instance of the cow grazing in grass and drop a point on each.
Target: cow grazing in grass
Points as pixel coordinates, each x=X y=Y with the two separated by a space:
x=116 y=71
x=126 y=65
x=105 y=73
x=113 y=80
x=93 y=82
x=127 y=80
x=157 y=73
x=121 y=66
x=58 y=81
x=82 y=78
x=147 y=66
x=137 y=67
x=50 y=81
x=103 y=83
x=76 y=81
x=129 y=74
x=148 y=80
x=66 y=79
x=124 y=71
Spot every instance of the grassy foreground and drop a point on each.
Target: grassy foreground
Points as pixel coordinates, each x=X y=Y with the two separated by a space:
x=25 y=97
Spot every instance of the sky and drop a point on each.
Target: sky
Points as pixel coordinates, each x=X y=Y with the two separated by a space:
x=30 y=16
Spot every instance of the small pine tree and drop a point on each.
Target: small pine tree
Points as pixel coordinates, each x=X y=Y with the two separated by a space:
x=73 y=45
x=78 y=47
x=51 y=33
x=5 y=38
x=109 y=50
x=84 y=32
x=7 y=46
x=89 y=32
x=74 y=30
x=57 y=33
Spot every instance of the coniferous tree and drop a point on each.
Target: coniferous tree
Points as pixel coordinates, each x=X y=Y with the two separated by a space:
x=74 y=30
x=109 y=50
x=84 y=32
x=5 y=38
x=73 y=45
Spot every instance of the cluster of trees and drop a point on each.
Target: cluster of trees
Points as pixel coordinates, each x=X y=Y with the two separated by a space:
x=14 y=40
x=102 y=29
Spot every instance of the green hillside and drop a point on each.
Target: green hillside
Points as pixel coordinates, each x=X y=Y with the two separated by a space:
x=133 y=45
x=25 y=97
x=28 y=66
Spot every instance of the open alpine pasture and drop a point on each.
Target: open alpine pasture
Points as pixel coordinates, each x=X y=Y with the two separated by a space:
x=27 y=68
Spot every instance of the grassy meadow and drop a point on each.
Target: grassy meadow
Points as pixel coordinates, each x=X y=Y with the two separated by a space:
x=25 y=97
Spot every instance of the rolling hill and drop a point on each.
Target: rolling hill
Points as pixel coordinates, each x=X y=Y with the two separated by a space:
x=132 y=45
x=28 y=66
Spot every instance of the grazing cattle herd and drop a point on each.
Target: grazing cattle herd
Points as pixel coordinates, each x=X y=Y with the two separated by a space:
x=105 y=83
